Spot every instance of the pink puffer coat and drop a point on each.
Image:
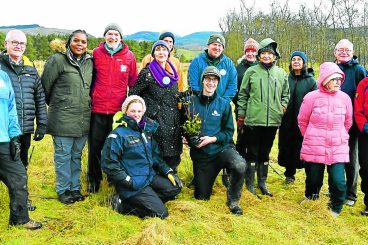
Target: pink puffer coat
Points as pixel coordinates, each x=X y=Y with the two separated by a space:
x=324 y=120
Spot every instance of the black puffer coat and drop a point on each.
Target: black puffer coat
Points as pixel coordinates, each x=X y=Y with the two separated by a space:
x=162 y=106
x=290 y=138
x=29 y=94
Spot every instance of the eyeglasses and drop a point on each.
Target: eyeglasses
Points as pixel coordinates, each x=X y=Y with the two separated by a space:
x=16 y=43
x=336 y=79
x=211 y=79
x=342 y=50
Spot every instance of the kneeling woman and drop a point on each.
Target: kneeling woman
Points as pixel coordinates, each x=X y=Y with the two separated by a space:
x=130 y=157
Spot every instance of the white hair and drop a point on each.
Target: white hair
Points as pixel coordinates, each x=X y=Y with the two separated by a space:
x=346 y=42
x=12 y=32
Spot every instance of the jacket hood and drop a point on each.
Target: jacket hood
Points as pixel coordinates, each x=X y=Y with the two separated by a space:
x=269 y=42
x=327 y=69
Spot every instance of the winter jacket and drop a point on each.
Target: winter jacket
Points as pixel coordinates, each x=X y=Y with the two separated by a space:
x=354 y=73
x=131 y=151
x=361 y=104
x=241 y=68
x=9 y=126
x=162 y=106
x=324 y=120
x=227 y=88
x=217 y=120
x=175 y=61
x=67 y=87
x=262 y=96
x=29 y=94
x=113 y=75
x=290 y=139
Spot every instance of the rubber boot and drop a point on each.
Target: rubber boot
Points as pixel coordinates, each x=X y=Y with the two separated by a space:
x=262 y=172
x=249 y=177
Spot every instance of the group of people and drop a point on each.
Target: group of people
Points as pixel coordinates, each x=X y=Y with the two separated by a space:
x=133 y=121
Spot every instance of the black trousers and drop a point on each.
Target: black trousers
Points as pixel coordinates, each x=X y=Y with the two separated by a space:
x=101 y=126
x=259 y=141
x=173 y=162
x=352 y=168
x=363 y=161
x=150 y=201
x=206 y=171
x=25 y=143
x=14 y=176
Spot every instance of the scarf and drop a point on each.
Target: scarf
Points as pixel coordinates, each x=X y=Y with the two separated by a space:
x=113 y=51
x=163 y=78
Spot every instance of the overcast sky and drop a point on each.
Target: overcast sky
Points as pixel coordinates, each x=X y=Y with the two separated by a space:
x=179 y=16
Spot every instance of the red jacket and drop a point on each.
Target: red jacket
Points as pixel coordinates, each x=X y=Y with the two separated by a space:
x=361 y=104
x=113 y=75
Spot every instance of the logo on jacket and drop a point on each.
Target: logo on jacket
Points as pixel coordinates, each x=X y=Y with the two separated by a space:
x=215 y=113
x=123 y=68
x=223 y=72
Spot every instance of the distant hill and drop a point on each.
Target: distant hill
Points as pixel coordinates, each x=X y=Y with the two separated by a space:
x=195 y=41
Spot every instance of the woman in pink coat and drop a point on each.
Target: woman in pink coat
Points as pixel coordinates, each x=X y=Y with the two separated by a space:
x=325 y=118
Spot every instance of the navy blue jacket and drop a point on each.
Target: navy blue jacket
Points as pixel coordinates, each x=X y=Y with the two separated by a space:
x=131 y=151
x=217 y=120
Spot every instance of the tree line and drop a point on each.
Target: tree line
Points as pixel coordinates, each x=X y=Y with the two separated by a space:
x=314 y=30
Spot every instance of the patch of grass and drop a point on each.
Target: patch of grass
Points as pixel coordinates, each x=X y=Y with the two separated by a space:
x=273 y=220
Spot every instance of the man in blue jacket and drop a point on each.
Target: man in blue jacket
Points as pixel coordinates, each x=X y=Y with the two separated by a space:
x=354 y=73
x=215 y=150
x=12 y=171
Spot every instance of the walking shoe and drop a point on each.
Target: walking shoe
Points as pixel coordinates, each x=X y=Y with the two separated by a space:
x=66 y=197
x=32 y=225
x=77 y=196
x=30 y=207
x=265 y=191
x=334 y=214
x=365 y=212
x=289 y=180
x=349 y=202
x=115 y=202
x=235 y=208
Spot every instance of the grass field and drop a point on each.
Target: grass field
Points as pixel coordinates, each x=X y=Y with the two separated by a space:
x=279 y=219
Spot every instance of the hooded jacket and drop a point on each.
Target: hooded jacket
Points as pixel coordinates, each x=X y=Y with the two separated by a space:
x=324 y=120
x=132 y=151
x=227 y=88
x=361 y=105
x=113 y=74
x=29 y=94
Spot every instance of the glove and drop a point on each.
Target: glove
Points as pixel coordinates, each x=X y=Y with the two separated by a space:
x=127 y=182
x=15 y=148
x=175 y=180
x=365 y=128
x=241 y=122
x=40 y=133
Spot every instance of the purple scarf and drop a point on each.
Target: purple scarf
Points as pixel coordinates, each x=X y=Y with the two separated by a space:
x=163 y=78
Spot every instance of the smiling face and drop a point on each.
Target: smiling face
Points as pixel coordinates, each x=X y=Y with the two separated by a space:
x=135 y=111
x=78 y=44
x=334 y=83
x=267 y=57
x=344 y=52
x=251 y=55
x=15 y=44
x=297 y=63
x=210 y=83
x=215 y=50
x=161 y=54
x=112 y=39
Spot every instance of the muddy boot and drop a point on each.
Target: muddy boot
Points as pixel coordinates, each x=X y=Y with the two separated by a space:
x=235 y=207
x=249 y=177
x=262 y=172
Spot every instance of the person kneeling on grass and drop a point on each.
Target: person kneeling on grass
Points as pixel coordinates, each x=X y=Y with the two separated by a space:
x=131 y=157
x=324 y=119
x=214 y=152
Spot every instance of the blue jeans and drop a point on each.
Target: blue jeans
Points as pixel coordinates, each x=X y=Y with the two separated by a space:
x=67 y=158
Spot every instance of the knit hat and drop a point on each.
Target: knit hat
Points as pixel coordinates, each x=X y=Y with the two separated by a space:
x=250 y=44
x=115 y=27
x=167 y=34
x=301 y=55
x=130 y=100
x=160 y=43
x=327 y=70
x=211 y=70
x=216 y=38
